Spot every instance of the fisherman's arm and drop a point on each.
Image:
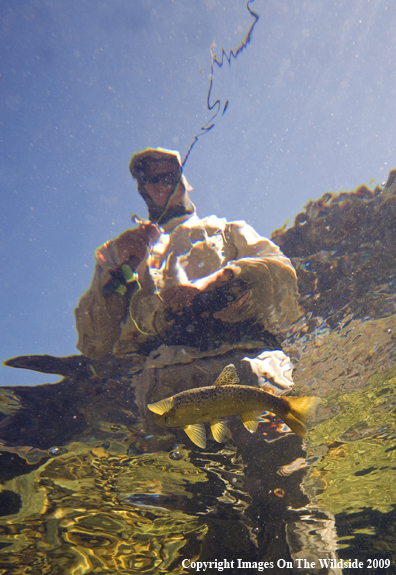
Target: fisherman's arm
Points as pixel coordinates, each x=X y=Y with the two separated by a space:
x=253 y=248
x=104 y=306
x=257 y=279
x=117 y=260
x=267 y=278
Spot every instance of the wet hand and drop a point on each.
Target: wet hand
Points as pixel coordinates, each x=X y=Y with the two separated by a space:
x=221 y=277
x=134 y=243
x=179 y=297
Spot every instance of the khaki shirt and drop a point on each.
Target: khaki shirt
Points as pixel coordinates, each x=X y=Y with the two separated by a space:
x=205 y=285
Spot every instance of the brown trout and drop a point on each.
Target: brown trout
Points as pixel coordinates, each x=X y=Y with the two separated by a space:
x=190 y=409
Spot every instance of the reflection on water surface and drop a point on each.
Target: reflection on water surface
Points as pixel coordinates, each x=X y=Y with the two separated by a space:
x=88 y=488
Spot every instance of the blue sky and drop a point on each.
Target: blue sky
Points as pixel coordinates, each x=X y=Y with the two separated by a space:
x=86 y=84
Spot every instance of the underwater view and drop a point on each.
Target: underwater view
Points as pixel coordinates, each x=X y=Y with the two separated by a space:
x=199 y=287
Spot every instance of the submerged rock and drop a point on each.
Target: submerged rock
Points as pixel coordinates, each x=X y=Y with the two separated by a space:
x=343 y=249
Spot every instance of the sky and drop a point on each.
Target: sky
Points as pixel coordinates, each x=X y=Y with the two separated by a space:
x=87 y=83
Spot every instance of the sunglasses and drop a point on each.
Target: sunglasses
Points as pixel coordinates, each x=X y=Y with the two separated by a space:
x=167 y=178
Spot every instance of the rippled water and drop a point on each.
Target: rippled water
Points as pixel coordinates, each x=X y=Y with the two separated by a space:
x=86 y=490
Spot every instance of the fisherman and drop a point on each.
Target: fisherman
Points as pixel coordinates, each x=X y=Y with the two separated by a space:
x=177 y=293
x=173 y=303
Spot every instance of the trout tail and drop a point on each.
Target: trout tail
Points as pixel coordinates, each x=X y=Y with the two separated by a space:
x=300 y=408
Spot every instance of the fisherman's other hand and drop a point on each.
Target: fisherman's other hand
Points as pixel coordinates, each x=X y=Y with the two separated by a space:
x=248 y=295
x=179 y=297
x=236 y=291
x=134 y=243
x=219 y=278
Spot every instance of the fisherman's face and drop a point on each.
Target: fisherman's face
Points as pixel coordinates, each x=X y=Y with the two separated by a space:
x=161 y=183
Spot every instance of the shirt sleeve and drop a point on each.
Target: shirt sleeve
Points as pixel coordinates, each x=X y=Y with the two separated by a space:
x=103 y=308
x=250 y=245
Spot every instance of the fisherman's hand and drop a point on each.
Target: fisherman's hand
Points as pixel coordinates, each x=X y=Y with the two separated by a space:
x=133 y=244
x=219 y=278
x=179 y=297
x=251 y=294
x=233 y=285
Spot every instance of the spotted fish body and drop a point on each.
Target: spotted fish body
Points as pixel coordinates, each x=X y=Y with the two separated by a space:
x=192 y=408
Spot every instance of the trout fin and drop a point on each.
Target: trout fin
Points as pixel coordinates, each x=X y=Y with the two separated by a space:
x=196 y=432
x=161 y=406
x=228 y=376
x=300 y=409
x=250 y=419
x=219 y=429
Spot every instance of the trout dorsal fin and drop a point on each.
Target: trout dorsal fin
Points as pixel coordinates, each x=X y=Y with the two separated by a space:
x=161 y=406
x=250 y=419
x=219 y=429
x=196 y=432
x=228 y=376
